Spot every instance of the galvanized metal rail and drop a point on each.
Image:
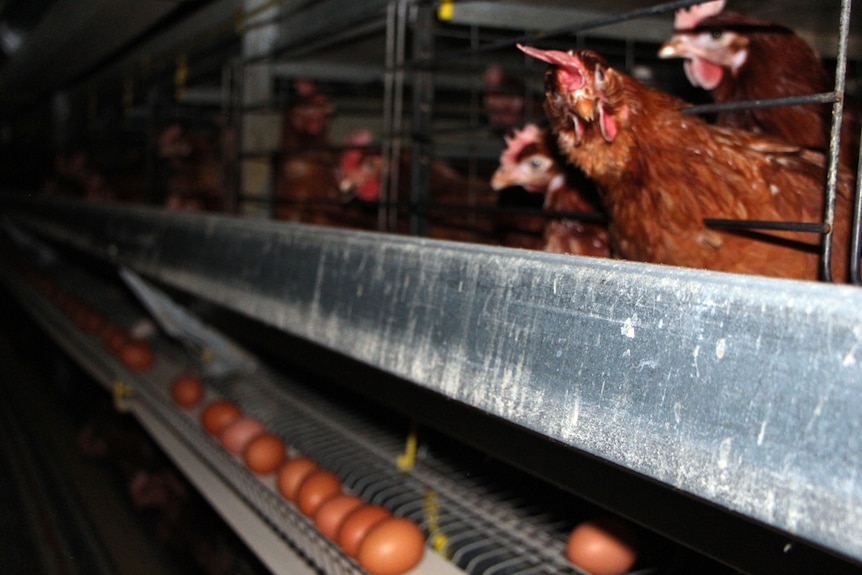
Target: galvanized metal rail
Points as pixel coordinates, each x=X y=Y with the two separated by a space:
x=741 y=391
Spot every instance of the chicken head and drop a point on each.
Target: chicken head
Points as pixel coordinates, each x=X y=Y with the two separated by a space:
x=710 y=50
x=577 y=87
x=360 y=168
x=525 y=162
x=699 y=53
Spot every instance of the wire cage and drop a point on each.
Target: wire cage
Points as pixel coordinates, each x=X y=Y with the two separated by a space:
x=428 y=142
x=725 y=398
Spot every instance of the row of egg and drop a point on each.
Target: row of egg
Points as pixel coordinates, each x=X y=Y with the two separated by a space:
x=381 y=543
x=131 y=348
x=602 y=546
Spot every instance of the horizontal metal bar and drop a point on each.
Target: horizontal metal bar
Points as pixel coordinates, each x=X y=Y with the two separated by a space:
x=325 y=25
x=503 y=210
x=824 y=98
x=739 y=390
x=310 y=203
x=815 y=228
x=561 y=32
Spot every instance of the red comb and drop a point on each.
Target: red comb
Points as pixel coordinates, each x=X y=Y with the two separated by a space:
x=529 y=134
x=688 y=18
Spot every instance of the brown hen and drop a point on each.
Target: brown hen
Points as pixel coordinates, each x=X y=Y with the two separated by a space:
x=196 y=174
x=661 y=172
x=454 y=206
x=531 y=161
x=741 y=58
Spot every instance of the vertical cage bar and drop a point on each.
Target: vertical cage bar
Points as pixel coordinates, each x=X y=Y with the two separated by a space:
x=856 y=233
x=393 y=109
x=423 y=105
x=834 y=140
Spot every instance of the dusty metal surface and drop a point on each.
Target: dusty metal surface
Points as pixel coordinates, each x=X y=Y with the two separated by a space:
x=744 y=391
x=817 y=22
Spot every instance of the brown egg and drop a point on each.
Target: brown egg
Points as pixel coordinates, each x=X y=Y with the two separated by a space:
x=44 y=284
x=113 y=337
x=56 y=296
x=264 y=453
x=237 y=434
x=80 y=314
x=357 y=524
x=391 y=547
x=136 y=354
x=88 y=319
x=603 y=546
x=292 y=473
x=331 y=513
x=315 y=489
x=217 y=415
x=187 y=390
x=95 y=322
x=68 y=303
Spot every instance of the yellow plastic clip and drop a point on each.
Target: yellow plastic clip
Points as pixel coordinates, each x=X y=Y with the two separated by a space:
x=437 y=539
x=207 y=356
x=407 y=459
x=181 y=75
x=122 y=392
x=445 y=10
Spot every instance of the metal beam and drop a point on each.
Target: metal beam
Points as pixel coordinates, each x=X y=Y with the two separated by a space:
x=816 y=22
x=742 y=391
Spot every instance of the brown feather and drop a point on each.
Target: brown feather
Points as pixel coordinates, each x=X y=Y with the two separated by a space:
x=666 y=171
x=778 y=64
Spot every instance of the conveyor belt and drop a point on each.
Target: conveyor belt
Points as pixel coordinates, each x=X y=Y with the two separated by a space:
x=487 y=530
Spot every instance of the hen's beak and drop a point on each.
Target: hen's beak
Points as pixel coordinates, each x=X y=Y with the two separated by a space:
x=673 y=48
x=685 y=46
x=585 y=107
x=500 y=179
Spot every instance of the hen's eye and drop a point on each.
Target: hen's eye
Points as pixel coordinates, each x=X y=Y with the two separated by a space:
x=600 y=77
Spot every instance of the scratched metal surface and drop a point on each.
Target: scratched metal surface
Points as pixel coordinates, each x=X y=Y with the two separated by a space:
x=744 y=391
